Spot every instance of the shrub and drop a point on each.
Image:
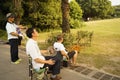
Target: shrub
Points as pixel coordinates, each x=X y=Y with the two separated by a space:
x=52 y=38
x=68 y=39
x=3 y=35
x=72 y=41
x=84 y=38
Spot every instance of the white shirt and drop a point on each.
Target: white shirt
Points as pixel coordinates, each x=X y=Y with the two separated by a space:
x=33 y=50
x=59 y=47
x=11 y=27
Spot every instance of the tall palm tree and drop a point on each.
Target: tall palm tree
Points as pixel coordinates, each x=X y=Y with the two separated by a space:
x=65 y=16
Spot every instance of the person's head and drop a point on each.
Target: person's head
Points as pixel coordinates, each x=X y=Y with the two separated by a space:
x=31 y=32
x=60 y=38
x=10 y=17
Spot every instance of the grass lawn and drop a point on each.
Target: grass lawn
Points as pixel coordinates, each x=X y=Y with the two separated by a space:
x=104 y=52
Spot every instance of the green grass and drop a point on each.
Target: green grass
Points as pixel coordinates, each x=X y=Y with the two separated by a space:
x=104 y=53
x=3 y=35
x=106 y=36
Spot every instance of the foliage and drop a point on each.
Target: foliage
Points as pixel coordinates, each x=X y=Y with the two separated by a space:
x=75 y=10
x=17 y=9
x=75 y=15
x=43 y=14
x=117 y=11
x=3 y=35
x=68 y=38
x=52 y=38
x=4 y=9
x=5 y=6
x=84 y=38
x=81 y=38
x=96 y=8
x=47 y=14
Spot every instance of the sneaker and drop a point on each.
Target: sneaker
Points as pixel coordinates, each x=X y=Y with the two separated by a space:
x=16 y=62
x=19 y=60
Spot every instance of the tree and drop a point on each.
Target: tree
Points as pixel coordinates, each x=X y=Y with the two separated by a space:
x=117 y=11
x=75 y=15
x=17 y=9
x=5 y=6
x=44 y=14
x=75 y=10
x=96 y=8
x=65 y=16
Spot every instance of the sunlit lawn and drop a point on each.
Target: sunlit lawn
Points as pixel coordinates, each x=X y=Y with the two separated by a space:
x=104 y=52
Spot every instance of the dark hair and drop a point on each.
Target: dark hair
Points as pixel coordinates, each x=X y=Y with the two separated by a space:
x=59 y=37
x=29 y=32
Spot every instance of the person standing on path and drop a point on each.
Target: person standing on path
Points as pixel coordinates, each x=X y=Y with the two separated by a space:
x=13 y=35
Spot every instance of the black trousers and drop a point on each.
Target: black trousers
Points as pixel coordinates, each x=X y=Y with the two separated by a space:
x=71 y=54
x=19 y=40
x=14 y=49
x=56 y=67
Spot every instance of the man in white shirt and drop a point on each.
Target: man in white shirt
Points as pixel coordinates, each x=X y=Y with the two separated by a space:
x=58 y=46
x=12 y=37
x=38 y=60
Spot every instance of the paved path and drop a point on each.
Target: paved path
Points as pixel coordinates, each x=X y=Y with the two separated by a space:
x=10 y=71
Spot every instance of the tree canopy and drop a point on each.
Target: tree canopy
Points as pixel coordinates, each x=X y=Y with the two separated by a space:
x=75 y=14
x=44 y=14
x=117 y=11
x=96 y=8
x=54 y=14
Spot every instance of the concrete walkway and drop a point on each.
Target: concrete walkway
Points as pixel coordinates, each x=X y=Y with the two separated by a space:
x=10 y=71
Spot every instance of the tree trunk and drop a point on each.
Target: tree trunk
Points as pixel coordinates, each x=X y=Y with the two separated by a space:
x=17 y=10
x=65 y=16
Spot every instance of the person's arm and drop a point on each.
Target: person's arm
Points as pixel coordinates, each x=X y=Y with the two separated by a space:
x=22 y=27
x=14 y=34
x=43 y=51
x=50 y=61
x=33 y=51
x=64 y=54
